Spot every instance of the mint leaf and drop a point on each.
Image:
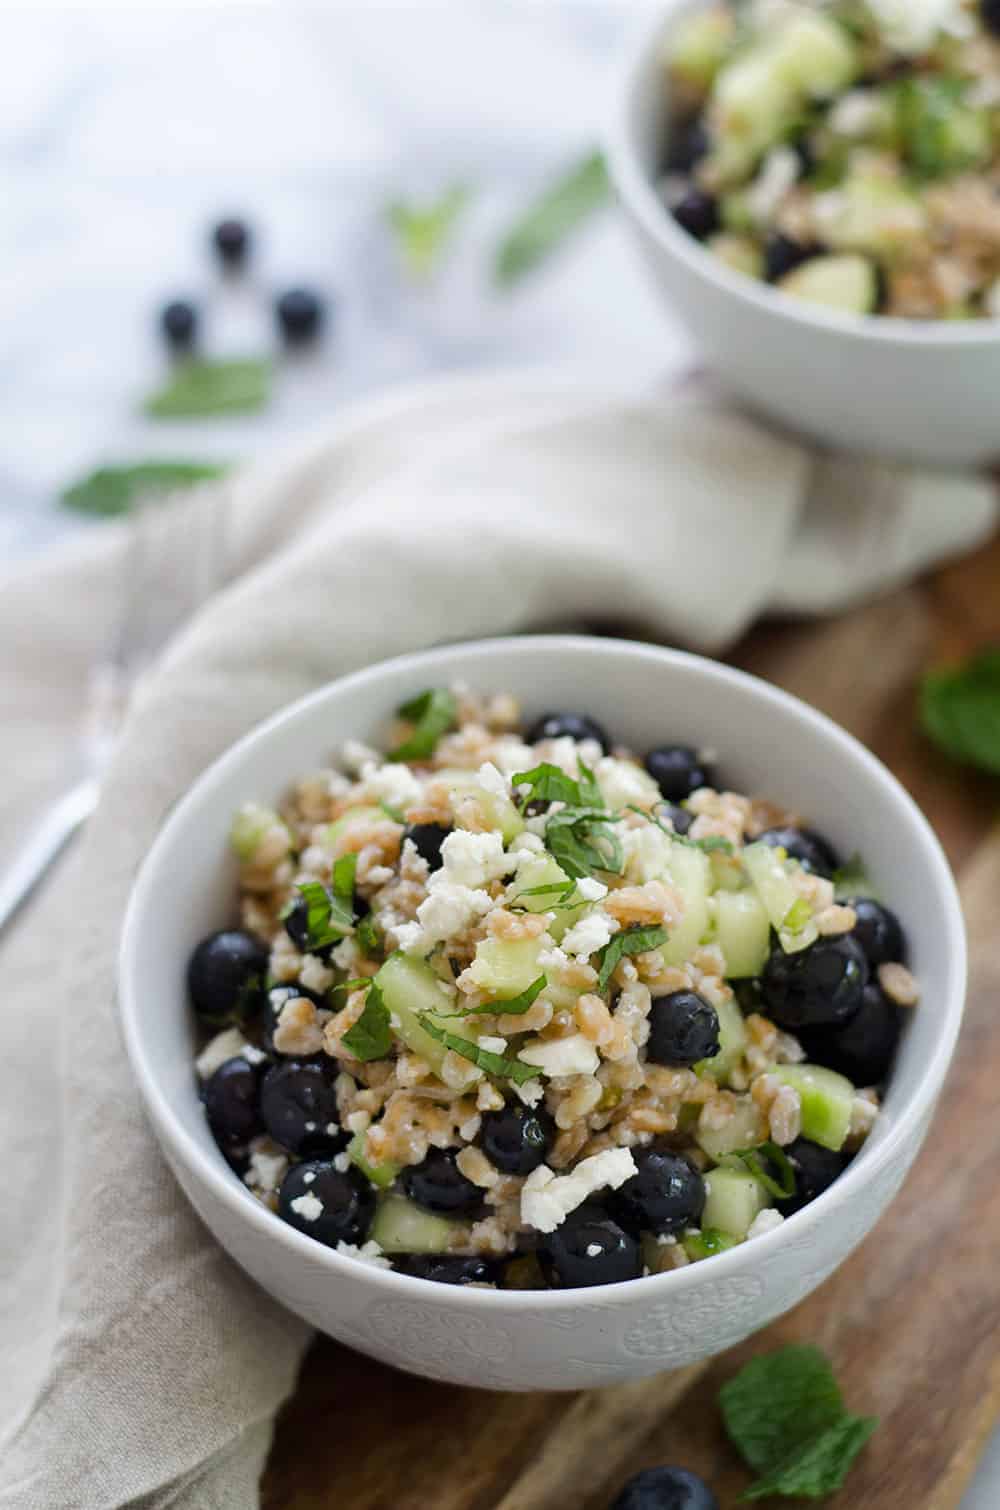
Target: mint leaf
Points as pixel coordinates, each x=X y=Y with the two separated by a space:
x=344 y=872
x=713 y=842
x=110 y=491
x=432 y=714
x=422 y=232
x=581 y=841
x=563 y=894
x=780 y=1402
x=371 y=1036
x=629 y=941
x=553 y=217
x=492 y=1064
x=198 y=388
x=707 y=1242
x=338 y=994
x=514 y=1006
x=547 y=783
x=851 y=880
x=797 y=916
x=366 y=936
x=782 y=1184
x=328 y=917
x=818 y=1467
x=590 y=793
x=960 y=710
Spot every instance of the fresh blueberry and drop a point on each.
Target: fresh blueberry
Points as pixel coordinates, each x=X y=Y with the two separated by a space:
x=300 y=314
x=782 y=254
x=276 y=999
x=815 y=1169
x=342 y=1204
x=878 y=931
x=231 y=239
x=864 y=1048
x=821 y=986
x=698 y=213
x=226 y=975
x=683 y=1028
x=578 y=726
x=516 y=1140
x=440 y=1185
x=666 y=1489
x=679 y=817
x=232 y=1103
x=427 y=839
x=812 y=851
x=589 y=1248
x=299 y=1105
x=687 y=146
x=179 y=323
x=666 y=1195
x=990 y=12
x=678 y=770
x=446 y=1270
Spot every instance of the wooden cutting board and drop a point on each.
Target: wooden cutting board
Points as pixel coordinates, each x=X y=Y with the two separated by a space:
x=911 y=1322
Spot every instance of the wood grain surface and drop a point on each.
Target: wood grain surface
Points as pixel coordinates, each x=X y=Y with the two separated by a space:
x=911 y=1322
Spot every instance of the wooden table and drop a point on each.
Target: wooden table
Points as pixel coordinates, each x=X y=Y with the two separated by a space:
x=911 y=1322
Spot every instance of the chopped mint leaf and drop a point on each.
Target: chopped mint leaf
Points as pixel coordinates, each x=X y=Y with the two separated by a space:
x=960 y=710
x=366 y=936
x=197 y=388
x=780 y=1184
x=707 y=1242
x=581 y=841
x=110 y=491
x=851 y=880
x=629 y=941
x=513 y=1006
x=820 y=1466
x=590 y=793
x=338 y=994
x=391 y=812
x=344 y=872
x=547 y=783
x=713 y=842
x=328 y=917
x=492 y=1064
x=431 y=714
x=371 y=1036
x=561 y=892
x=797 y=916
x=423 y=231
x=552 y=218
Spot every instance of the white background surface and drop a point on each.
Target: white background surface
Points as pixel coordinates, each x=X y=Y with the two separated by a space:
x=125 y=131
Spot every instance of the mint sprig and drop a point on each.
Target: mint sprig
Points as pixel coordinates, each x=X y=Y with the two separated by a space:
x=561 y=208
x=630 y=941
x=466 y=1048
x=110 y=491
x=329 y=915
x=423 y=231
x=960 y=710
x=199 y=388
x=780 y=1183
x=432 y=714
x=371 y=1036
x=547 y=783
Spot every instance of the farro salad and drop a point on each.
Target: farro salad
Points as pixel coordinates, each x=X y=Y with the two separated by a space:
x=514 y=1007
x=847 y=151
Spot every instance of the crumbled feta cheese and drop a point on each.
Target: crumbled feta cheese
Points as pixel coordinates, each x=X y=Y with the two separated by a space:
x=526 y=846
x=447 y=910
x=225 y=1045
x=594 y=1250
x=530 y=1093
x=475 y=859
x=855 y=113
x=356 y=756
x=564 y=752
x=591 y=889
x=368 y=1253
x=548 y=1198
x=777 y=175
x=764 y=1221
x=309 y=1176
x=493 y=1045
x=512 y=755
x=575 y=1055
x=392 y=783
x=267 y=1170
x=470 y=1128
x=252 y=1054
x=553 y=959
x=591 y=933
x=492 y=780
x=647 y=852
x=342 y=1162
x=358 y=1122
x=346 y=955
x=310 y=1127
x=911 y=26
x=623 y=783
x=315 y=976
x=309 y=1207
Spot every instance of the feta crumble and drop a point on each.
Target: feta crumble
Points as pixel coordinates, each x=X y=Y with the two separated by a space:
x=547 y=1198
x=492 y=780
x=228 y=1044
x=575 y=1055
x=368 y=1253
x=309 y=1207
x=393 y=783
x=473 y=860
x=589 y=934
x=765 y=1221
x=591 y=889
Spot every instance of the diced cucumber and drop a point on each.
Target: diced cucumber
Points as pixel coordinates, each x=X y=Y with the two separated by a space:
x=741 y=253
x=623 y=783
x=543 y=871
x=706 y=1243
x=846 y=283
x=732 y=1042
x=736 y=214
x=409 y=987
x=402 y=1227
x=865 y=213
x=734 y=1198
x=505 y=967
x=753 y=104
x=742 y=931
x=689 y=871
x=501 y=811
x=250 y=823
x=700 y=44
x=726 y=872
x=814 y=54
x=381 y=1175
x=827 y=1099
x=771 y=880
x=336 y=828
x=746 y=1128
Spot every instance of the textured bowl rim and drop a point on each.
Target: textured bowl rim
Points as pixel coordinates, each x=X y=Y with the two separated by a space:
x=741 y=1260
x=637 y=193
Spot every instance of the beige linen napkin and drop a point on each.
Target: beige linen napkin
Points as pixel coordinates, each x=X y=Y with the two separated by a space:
x=140 y=1366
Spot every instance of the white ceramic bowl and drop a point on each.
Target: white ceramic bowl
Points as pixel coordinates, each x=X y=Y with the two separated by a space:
x=768 y=743
x=925 y=391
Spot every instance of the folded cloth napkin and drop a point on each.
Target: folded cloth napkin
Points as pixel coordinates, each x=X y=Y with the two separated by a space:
x=140 y=1365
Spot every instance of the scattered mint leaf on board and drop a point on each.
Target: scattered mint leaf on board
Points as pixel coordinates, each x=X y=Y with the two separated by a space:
x=198 y=388
x=629 y=941
x=960 y=710
x=820 y=1466
x=432 y=714
x=328 y=917
x=564 y=206
x=109 y=491
x=371 y=1036
x=492 y=1064
x=422 y=232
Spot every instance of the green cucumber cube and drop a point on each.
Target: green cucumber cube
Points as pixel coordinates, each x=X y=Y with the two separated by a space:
x=827 y=1100
x=733 y=1199
x=402 y=1227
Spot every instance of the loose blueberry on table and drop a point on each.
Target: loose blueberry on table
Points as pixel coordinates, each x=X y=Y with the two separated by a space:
x=666 y=1489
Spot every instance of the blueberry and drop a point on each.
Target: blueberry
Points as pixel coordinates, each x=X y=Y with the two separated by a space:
x=299 y=1105
x=686 y=147
x=666 y=1489
x=679 y=817
x=990 y=12
x=864 y=1048
x=297 y=925
x=179 y=323
x=698 y=214
x=440 y=1185
x=683 y=1028
x=878 y=931
x=226 y=975
x=578 y=726
x=446 y=1270
x=782 y=255
x=516 y=1139
x=232 y=1103
x=821 y=986
x=347 y=1202
x=276 y=999
x=428 y=839
x=231 y=239
x=666 y=1195
x=589 y=1248
x=812 y=851
x=815 y=1171
x=300 y=315
x=678 y=771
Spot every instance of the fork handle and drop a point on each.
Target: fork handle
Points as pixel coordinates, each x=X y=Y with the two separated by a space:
x=41 y=850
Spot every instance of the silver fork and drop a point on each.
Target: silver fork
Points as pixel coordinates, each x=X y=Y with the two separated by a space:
x=172 y=560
